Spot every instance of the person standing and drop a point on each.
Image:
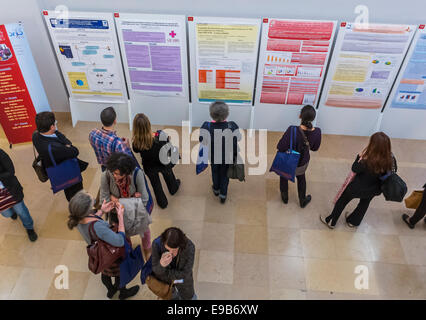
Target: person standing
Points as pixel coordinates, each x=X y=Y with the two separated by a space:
x=82 y=215
x=62 y=148
x=12 y=197
x=419 y=214
x=173 y=257
x=373 y=162
x=148 y=144
x=105 y=141
x=221 y=157
x=307 y=138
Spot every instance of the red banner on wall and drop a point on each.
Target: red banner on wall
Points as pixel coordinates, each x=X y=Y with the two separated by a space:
x=17 y=112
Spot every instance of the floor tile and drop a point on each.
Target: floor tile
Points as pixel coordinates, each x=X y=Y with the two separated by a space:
x=251 y=239
x=216 y=266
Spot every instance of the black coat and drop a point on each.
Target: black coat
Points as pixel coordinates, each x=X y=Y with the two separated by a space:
x=366 y=184
x=8 y=178
x=60 y=150
x=180 y=268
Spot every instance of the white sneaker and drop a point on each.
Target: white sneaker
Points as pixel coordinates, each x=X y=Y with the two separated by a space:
x=325 y=222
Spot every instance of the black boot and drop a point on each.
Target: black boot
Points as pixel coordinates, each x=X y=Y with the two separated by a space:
x=32 y=235
x=127 y=293
x=304 y=202
x=284 y=197
x=112 y=289
x=14 y=216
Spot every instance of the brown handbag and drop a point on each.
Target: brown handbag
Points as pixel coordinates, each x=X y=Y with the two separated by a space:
x=101 y=254
x=159 y=288
x=38 y=168
x=413 y=201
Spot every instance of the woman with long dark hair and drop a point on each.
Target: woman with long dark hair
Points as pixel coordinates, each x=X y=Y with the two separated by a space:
x=302 y=145
x=372 y=163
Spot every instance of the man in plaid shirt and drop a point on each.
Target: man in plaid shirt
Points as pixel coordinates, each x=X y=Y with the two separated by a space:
x=105 y=141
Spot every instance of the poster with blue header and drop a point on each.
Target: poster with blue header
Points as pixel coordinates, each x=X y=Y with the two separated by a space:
x=87 y=50
x=410 y=90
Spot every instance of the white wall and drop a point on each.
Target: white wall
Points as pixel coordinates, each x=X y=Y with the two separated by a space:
x=29 y=12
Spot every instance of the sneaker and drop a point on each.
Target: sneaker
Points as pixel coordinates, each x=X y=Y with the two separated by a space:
x=284 y=197
x=304 y=202
x=222 y=199
x=127 y=293
x=14 y=216
x=325 y=222
x=215 y=192
x=32 y=235
x=406 y=219
x=350 y=225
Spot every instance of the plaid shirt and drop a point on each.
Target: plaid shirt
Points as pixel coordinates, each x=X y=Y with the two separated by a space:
x=105 y=143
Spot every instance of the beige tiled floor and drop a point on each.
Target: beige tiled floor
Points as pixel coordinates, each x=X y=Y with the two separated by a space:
x=253 y=247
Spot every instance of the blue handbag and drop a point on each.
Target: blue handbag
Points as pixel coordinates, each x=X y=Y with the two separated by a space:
x=63 y=175
x=147 y=267
x=285 y=163
x=132 y=263
x=203 y=157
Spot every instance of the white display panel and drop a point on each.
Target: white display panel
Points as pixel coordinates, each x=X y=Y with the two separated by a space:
x=405 y=112
x=87 y=50
x=293 y=58
x=154 y=51
x=223 y=55
x=363 y=68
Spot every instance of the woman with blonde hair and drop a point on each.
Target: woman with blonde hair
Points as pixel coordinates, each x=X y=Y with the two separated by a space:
x=373 y=162
x=154 y=158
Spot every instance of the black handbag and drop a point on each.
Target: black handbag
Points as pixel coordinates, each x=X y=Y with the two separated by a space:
x=235 y=170
x=393 y=187
x=39 y=168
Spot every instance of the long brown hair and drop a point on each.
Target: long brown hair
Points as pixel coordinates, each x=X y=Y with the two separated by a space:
x=378 y=154
x=142 y=135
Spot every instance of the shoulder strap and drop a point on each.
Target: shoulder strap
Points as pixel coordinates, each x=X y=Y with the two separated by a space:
x=92 y=231
x=49 y=149
x=135 y=174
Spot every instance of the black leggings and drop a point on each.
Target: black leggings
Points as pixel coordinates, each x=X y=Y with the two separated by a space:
x=420 y=211
x=301 y=186
x=107 y=281
x=169 y=178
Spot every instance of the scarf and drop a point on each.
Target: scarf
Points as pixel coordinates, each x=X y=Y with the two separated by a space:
x=124 y=187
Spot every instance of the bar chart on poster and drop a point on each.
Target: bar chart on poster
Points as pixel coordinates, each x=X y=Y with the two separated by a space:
x=155 y=63
x=21 y=92
x=292 y=62
x=365 y=63
x=405 y=113
x=88 y=54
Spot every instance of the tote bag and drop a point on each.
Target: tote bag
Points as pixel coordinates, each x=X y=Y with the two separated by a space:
x=203 y=157
x=131 y=265
x=285 y=163
x=63 y=175
x=414 y=200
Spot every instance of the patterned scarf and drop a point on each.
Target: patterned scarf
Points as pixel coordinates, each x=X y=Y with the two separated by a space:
x=124 y=186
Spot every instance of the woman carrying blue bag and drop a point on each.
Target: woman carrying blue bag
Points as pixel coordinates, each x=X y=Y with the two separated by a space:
x=306 y=137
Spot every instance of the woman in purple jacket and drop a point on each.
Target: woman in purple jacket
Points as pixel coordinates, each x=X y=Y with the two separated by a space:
x=313 y=136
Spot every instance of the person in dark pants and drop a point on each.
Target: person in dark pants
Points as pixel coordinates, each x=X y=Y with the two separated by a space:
x=149 y=145
x=62 y=149
x=223 y=137
x=375 y=161
x=418 y=215
x=12 y=197
x=313 y=136
x=173 y=257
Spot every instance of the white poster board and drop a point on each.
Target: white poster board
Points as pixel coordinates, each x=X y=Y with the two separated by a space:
x=154 y=50
x=223 y=55
x=293 y=58
x=363 y=68
x=405 y=112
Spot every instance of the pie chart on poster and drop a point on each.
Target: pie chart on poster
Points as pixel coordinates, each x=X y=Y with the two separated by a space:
x=80 y=82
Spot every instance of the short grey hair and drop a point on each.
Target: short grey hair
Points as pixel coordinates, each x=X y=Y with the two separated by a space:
x=80 y=205
x=219 y=111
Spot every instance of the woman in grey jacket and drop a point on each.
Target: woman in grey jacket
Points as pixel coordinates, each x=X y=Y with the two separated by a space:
x=173 y=257
x=123 y=179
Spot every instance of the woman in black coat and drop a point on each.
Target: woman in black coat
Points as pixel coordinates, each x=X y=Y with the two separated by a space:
x=418 y=215
x=375 y=161
x=12 y=197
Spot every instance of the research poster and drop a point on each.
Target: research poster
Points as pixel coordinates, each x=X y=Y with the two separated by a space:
x=293 y=58
x=226 y=58
x=22 y=94
x=410 y=88
x=154 y=53
x=87 y=50
x=365 y=64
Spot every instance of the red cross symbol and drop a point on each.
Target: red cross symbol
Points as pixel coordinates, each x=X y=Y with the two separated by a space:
x=172 y=34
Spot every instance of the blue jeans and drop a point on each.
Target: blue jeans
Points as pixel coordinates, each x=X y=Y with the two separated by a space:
x=220 y=178
x=22 y=211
